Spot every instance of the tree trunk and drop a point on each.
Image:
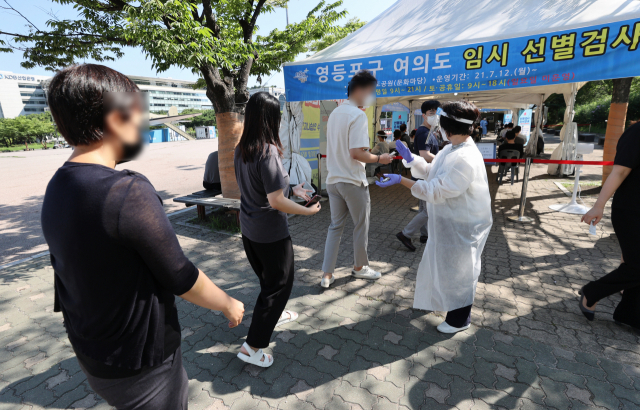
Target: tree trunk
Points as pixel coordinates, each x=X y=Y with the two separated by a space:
x=230 y=125
x=616 y=121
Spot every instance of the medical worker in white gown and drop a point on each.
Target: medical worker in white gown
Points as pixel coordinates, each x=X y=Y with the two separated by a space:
x=456 y=190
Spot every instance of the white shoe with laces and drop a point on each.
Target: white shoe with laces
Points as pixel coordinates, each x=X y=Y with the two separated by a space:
x=366 y=273
x=326 y=282
x=444 y=327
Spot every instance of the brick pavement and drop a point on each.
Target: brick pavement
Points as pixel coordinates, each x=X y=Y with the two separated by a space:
x=359 y=345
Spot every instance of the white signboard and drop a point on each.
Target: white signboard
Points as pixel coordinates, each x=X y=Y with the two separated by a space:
x=525 y=122
x=488 y=150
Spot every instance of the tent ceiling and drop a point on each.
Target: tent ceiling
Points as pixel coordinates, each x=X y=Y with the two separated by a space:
x=410 y=25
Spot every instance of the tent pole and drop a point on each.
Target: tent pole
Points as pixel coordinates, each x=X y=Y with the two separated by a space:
x=523 y=197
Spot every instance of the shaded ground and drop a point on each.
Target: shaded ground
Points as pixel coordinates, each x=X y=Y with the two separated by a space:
x=360 y=345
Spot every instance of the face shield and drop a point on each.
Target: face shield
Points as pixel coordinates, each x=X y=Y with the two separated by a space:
x=440 y=113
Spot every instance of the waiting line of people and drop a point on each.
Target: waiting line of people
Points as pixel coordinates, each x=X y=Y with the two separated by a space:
x=118 y=265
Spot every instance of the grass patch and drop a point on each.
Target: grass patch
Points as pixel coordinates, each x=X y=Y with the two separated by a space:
x=219 y=220
x=586 y=188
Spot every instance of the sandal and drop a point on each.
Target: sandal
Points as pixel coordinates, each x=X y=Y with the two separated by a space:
x=256 y=357
x=292 y=316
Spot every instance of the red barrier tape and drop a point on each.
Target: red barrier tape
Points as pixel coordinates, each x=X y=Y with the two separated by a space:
x=553 y=161
x=521 y=161
x=538 y=161
x=566 y=162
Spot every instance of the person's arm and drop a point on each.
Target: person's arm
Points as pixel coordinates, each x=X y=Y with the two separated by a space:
x=142 y=225
x=362 y=155
x=452 y=184
x=278 y=201
x=358 y=135
x=615 y=179
x=427 y=155
x=206 y=294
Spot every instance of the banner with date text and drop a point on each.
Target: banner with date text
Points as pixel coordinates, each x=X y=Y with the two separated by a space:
x=587 y=54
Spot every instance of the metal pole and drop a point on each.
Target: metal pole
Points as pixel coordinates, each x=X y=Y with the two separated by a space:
x=287 y=9
x=319 y=156
x=523 y=197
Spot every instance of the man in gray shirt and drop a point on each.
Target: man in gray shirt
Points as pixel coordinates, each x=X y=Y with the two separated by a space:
x=211 y=181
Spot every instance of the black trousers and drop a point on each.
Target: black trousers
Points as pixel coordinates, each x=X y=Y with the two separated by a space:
x=459 y=317
x=626 y=224
x=273 y=264
x=163 y=387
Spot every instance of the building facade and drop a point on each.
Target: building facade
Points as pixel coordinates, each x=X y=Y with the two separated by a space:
x=276 y=92
x=21 y=94
x=24 y=94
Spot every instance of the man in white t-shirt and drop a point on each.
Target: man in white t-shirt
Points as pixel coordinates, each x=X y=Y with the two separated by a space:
x=347 y=186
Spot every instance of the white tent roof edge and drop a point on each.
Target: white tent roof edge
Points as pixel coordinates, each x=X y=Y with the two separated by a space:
x=496 y=20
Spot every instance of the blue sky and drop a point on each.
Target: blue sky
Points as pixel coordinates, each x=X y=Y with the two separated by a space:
x=134 y=62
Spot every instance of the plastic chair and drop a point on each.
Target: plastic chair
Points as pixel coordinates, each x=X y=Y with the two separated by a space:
x=505 y=167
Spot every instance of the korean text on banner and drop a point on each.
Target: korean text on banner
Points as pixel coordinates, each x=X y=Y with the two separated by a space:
x=588 y=54
x=507 y=119
x=524 y=121
x=310 y=136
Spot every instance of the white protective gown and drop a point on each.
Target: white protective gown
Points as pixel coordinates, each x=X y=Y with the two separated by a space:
x=456 y=190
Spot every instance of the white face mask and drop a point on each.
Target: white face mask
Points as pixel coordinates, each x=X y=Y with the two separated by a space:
x=370 y=101
x=432 y=120
x=444 y=134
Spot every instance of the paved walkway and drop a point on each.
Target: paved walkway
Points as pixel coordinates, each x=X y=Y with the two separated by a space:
x=174 y=169
x=360 y=345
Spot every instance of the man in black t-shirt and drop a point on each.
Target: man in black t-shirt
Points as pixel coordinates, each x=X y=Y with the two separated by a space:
x=511 y=144
x=405 y=137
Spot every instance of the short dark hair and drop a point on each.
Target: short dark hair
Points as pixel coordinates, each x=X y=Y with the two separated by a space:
x=362 y=79
x=397 y=134
x=403 y=127
x=459 y=109
x=261 y=126
x=517 y=129
x=510 y=125
x=510 y=135
x=429 y=105
x=412 y=133
x=76 y=97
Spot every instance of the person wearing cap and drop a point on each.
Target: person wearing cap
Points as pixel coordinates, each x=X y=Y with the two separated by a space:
x=456 y=189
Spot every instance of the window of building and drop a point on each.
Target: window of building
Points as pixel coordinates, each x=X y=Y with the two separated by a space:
x=29 y=86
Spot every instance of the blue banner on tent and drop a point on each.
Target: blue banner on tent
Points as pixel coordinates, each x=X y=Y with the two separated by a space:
x=588 y=54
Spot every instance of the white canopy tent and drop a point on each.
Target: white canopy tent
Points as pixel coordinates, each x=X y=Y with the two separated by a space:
x=417 y=25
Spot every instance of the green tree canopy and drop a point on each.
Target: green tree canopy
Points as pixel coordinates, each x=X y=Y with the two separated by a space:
x=332 y=38
x=216 y=39
x=25 y=128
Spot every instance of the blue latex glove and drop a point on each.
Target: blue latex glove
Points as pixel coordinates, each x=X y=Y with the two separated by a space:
x=404 y=151
x=393 y=179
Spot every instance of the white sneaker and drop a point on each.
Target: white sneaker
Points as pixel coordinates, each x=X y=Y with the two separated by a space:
x=326 y=282
x=444 y=327
x=366 y=273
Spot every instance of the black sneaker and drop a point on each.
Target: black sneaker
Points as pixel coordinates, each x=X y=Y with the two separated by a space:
x=423 y=239
x=405 y=241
